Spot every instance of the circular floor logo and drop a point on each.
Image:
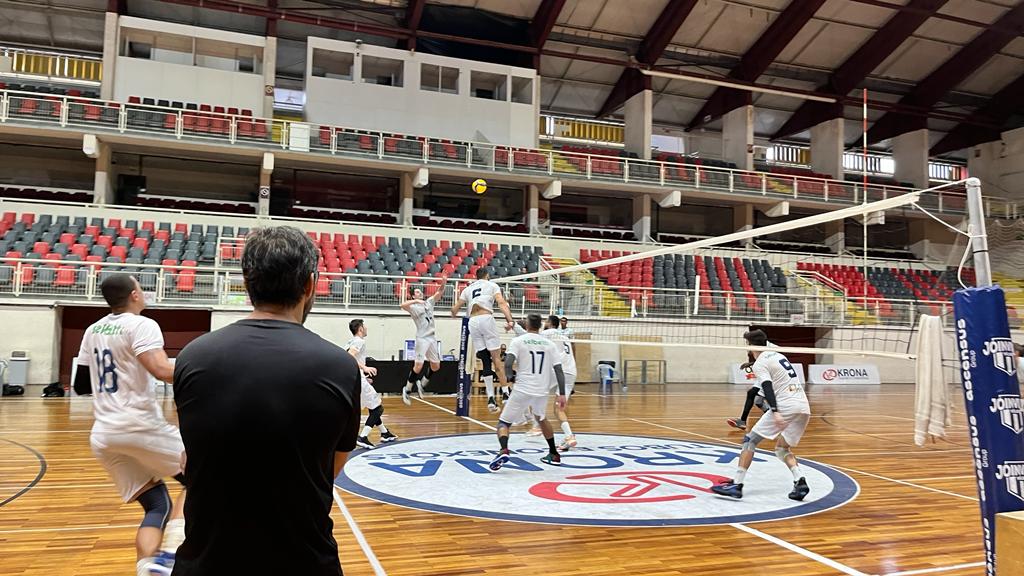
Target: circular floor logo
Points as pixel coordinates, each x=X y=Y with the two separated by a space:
x=609 y=480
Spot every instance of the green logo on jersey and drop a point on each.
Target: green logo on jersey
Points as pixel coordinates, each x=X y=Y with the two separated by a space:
x=108 y=329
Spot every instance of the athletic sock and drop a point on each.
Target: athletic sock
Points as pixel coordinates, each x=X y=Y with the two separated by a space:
x=365 y=432
x=489 y=385
x=140 y=566
x=174 y=535
x=503 y=440
x=566 y=429
x=797 y=474
x=383 y=428
x=505 y=390
x=741 y=473
x=551 y=445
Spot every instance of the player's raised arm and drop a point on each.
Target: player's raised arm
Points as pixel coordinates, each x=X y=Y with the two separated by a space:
x=456 y=306
x=503 y=304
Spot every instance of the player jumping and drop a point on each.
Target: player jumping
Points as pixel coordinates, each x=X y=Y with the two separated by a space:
x=369 y=397
x=479 y=298
x=422 y=311
x=130 y=437
x=787 y=416
x=539 y=361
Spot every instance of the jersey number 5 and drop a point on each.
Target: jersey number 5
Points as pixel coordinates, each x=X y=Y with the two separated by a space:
x=788 y=367
x=107 y=370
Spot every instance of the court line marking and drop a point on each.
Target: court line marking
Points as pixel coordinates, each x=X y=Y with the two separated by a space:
x=452 y=412
x=936 y=569
x=367 y=551
x=940 y=478
x=799 y=550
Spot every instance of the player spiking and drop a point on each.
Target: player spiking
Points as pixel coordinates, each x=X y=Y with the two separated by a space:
x=479 y=299
x=553 y=331
x=787 y=416
x=369 y=397
x=130 y=437
x=539 y=363
x=422 y=311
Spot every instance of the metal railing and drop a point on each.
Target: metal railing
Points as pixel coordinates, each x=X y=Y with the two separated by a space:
x=222 y=285
x=238 y=129
x=56 y=66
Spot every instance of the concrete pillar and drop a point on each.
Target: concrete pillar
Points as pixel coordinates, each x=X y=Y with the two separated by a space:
x=531 y=199
x=638 y=115
x=743 y=220
x=642 y=217
x=263 y=198
x=827 y=148
x=738 y=137
x=405 y=199
x=103 y=185
x=910 y=155
x=982 y=163
x=835 y=235
x=269 y=74
x=110 y=46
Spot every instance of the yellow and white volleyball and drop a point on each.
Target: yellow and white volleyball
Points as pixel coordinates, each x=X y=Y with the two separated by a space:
x=479 y=185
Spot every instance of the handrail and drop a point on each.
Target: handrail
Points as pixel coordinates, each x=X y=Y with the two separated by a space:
x=481 y=155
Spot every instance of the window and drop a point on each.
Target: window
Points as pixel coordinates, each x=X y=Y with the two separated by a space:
x=435 y=78
x=328 y=64
x=226 y=56
x=522 y=90
x=488 y=86
x=383 y=71
x=159 y=47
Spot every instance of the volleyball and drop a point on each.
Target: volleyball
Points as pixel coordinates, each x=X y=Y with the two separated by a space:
x=479 y=186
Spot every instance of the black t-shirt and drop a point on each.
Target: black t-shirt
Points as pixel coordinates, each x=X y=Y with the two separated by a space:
x=263 y=405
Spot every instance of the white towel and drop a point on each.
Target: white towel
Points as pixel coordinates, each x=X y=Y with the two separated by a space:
x=931 y=402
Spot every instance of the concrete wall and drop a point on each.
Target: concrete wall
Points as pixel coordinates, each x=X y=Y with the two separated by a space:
x=35 y=329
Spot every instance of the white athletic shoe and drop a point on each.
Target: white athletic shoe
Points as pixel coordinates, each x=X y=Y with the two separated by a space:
x=535 y=431
x=568 y=443
x=492 y=405
x=419 y=388
x=405 y=396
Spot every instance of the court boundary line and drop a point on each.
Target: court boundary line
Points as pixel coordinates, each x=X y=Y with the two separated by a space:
x=378 y=569
x=936 y=569
x=452 y=412
x=800 y=550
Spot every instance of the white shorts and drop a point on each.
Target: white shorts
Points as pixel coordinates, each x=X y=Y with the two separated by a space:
x=427 y=349
x=483 y=332
x=519 y=404
x=570 y=383
x=135 y=459
x=369 y=398
x=792 y=429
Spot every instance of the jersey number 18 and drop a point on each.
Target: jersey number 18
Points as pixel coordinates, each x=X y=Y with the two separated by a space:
x=107 y=371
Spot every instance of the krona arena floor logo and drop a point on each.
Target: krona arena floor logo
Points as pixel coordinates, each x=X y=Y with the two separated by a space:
x=609 y=480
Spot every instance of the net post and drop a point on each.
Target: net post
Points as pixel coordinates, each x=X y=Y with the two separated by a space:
x=978 y=238
x=463 y=384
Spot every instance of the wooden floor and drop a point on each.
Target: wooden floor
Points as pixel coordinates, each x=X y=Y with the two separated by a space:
x=916 y=513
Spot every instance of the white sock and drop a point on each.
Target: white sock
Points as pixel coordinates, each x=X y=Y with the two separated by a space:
x=365 y=432
x=797 y=474
x=566 y=429
x=383 y=428
x=489 y=385
x=741 y=473
x=174 y=535
x=140 y=566
x=504 y=390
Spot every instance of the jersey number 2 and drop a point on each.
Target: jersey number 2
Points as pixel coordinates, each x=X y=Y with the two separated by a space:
x=788 y=367
x=107 y=370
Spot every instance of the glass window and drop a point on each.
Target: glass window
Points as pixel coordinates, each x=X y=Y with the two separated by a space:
x=383 y=71
x=226 y=56
x=522 y=90
x=329 y=64
x=435 y=78
x=488 y=86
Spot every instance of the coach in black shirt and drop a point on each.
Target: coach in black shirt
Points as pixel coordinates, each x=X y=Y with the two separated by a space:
x=268 y=412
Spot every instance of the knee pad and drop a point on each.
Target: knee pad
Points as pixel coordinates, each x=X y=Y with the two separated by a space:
x=373 y=419
x=781 y=453
x=485 y=358
x=156 y=502
x=750 y=441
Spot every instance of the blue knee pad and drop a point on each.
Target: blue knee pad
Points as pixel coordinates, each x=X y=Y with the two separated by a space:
x=157 y=504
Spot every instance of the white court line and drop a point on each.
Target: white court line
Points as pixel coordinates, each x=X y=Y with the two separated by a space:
x=937 y=569
x=801 y=551
x=452 y=412
x=905 y=483
x=940 y=478
x=68 y=528
x=374 y=562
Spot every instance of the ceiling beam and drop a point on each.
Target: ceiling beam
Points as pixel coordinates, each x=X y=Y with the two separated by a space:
x=540 y=27
x=1000 y=108
x=953 y=71
x=757 y=59
x=631 y=82
x=856 y=68
x=413 y=15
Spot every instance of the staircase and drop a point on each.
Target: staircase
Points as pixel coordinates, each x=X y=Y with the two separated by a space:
x=559 y=163
x=582 y=292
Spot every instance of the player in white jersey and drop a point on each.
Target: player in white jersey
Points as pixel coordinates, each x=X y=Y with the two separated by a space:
x=479 y=299
x=539 y=363
x=553 y=332
x=786 y=419
x=369 y=397
x=754 y=395
x=120 y=355
x=422 y=311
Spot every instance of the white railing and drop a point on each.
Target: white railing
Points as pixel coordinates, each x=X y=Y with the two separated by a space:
x=234 y=128
x=222 y=285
